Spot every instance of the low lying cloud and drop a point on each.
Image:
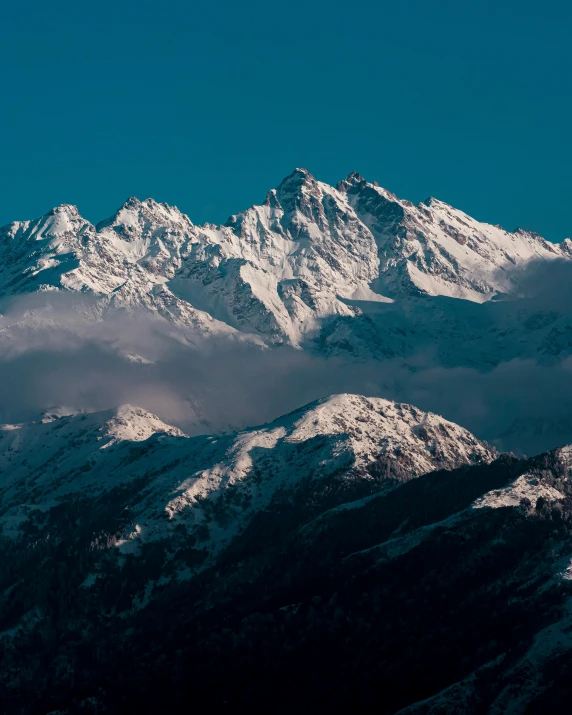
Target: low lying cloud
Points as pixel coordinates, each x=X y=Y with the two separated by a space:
x=58 y=351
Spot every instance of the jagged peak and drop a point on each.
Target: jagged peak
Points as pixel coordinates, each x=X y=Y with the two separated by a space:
x=294 y=181
x=432 y=202
x=272 y=200
x=527 y=232
x=296 y=191
x=131 y=203
x=134 y=203
x=301 y=171
x=352 y=180
x=58 y=220
x=68 y=209
x=148 y=209
x=354 y=176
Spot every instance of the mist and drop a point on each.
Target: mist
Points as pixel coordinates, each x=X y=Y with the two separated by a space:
x=61 y=351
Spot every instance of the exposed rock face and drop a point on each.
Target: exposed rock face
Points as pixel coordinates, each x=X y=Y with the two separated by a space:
x=276 y=270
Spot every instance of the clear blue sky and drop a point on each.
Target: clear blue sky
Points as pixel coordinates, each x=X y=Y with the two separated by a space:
x=208 y=105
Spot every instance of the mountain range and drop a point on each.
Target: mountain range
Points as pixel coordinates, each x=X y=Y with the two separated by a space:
x=355 y=552
x=283 y=270
x=401 y=295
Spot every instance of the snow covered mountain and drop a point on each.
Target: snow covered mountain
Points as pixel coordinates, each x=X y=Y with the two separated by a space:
x=350 y=584
x=215 y=485
x=438 y=250
x=348 y=272
x=351 y=515
x=311 y=252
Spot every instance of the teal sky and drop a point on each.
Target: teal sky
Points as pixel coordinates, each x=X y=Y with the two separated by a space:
x=208 y=105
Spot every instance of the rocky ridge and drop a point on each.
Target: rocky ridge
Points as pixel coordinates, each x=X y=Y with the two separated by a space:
x=310 y=252
x=351 y=440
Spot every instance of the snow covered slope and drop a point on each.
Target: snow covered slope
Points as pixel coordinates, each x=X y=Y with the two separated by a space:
x=310 y=252
x=349 y=272
x=63 y=251
x=436 y=249
x=215 y=485
x=312 y=593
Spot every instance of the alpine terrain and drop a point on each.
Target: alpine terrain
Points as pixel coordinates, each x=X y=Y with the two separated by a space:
x=281 y=271
x=345 y=275
x=348 y=552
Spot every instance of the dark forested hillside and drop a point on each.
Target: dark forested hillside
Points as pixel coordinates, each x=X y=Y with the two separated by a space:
x=417 y=592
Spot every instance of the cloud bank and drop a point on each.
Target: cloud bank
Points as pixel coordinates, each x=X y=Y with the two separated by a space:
x=58 y=350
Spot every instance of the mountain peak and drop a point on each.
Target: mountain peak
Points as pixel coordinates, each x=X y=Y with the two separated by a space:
x=294 y=181
x=68 y=209
x=297 y=192
x=353 y=179
x=133 y=211
x=272 y=200
x=428 y=438
x=255 y=277
x=132 y=202
x=301 y=171
x=135 y=424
